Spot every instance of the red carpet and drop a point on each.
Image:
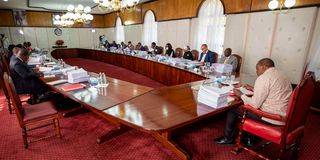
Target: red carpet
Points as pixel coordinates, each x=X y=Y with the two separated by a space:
x=80 y=133
x=113 y=71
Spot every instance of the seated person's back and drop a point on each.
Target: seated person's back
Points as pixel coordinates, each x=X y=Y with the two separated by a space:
x=25 y=79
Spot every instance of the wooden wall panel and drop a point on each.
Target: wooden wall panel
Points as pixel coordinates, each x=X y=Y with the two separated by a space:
x=6 y=17
x=39 y=19
x=98 y=21
x=132 y=16
x=172 y=9
x=232 y=6
x=110 y=19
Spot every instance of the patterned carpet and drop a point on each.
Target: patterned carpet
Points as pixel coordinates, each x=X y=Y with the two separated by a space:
x=80 y=133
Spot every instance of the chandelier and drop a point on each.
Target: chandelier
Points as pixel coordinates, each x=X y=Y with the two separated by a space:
x=74 y=15
x=116 y=5
x=281 y=4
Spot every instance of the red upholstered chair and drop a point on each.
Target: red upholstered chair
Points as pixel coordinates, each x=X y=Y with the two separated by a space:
x=216 y=57
x=5 y=91
x=5 y=64
x=288 y=136
x=31 y=116
x=179 y=52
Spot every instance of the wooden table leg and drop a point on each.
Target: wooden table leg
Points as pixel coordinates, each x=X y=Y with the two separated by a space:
x=165 y=139
x=114 y=133
x=75 y=111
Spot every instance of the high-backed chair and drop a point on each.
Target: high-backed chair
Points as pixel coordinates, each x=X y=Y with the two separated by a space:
x=216 y=57
x=5 y=64
x=29 y=115
x=179 y=52
x=195 y=54
x=239 y=62
x=146 y=48
x=5 y=91
x=288 y=136
x=161 y=49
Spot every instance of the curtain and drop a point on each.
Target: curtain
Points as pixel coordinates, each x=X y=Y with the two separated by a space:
x=209 y=27
x=149 y=29
x=119 y=31
x=314 y=64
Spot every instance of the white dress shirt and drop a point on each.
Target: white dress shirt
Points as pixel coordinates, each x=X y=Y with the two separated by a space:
x=203 y=56
x=272 y=91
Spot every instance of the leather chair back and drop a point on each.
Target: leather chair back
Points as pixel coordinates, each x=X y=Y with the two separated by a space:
x=299 y=103
x=146 y=48
x=161 y=49
x=179 y=52
x=2 y=84
x=15 y=98
x=216 y=57
x=195 y=54
x=5 y=64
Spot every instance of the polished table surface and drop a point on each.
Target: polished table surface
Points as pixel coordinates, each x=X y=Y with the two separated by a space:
x=157 y=112
x=117 y=92
x=165 y=109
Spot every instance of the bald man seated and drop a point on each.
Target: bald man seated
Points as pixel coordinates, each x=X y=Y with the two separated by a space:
x=272 y=91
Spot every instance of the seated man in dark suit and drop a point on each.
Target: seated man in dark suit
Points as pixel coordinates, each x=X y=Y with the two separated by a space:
x=228 y=58
x=155 y=49
x=26 y=80
x=206 y=55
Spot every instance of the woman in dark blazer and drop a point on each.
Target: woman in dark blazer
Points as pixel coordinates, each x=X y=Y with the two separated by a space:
x=170 y=51
x=187 y=54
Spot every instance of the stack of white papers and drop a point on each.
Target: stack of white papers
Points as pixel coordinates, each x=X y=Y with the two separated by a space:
x=34 y=61
x=222 y=68
x=213 y=96
x=77 y=76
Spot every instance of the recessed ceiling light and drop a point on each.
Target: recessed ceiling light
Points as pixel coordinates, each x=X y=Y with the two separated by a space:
x=5 y=0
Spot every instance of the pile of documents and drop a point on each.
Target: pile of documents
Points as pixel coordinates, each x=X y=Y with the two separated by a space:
x=213 y=96
x=77 y=76
x=222 y=68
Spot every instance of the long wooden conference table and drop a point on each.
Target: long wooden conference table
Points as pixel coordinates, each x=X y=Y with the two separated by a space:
x=157 y=112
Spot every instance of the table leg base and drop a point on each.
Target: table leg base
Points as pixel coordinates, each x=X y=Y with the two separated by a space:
x=74 y=111
x=172 y=146
x=112 y=134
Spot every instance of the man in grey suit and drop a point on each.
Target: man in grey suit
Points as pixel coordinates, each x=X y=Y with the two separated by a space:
x=227 y=58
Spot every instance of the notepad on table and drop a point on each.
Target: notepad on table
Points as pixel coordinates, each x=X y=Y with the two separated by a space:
x=60 y=81
x=73 y=87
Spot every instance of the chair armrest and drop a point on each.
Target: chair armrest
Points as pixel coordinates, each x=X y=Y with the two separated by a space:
x=260 y=113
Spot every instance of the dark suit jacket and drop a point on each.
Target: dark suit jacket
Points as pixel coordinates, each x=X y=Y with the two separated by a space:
x=24 y=79
x=188 y=55
x=209 y=57
x=169 y=52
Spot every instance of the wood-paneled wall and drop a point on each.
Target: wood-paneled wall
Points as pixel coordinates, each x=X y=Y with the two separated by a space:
x=164 y=10
x=6 y=18
x=39 y=19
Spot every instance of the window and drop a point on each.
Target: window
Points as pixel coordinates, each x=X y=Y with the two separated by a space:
x=149 y=28
x=119 y=31
x=209 y=27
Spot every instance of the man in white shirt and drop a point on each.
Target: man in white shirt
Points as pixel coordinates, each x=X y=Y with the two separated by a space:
x=206 y=55
x=272 y=91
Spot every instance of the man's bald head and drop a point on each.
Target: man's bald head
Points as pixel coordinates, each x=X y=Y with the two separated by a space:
x=266 y=62
x=263 y=65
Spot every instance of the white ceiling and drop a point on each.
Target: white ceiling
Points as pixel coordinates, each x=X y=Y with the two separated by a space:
x=51 y=5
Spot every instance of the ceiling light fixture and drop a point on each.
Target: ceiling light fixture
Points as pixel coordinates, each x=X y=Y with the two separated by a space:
x=116 y=5
x=79 y=14
x=5 y=0
x=281 y=4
